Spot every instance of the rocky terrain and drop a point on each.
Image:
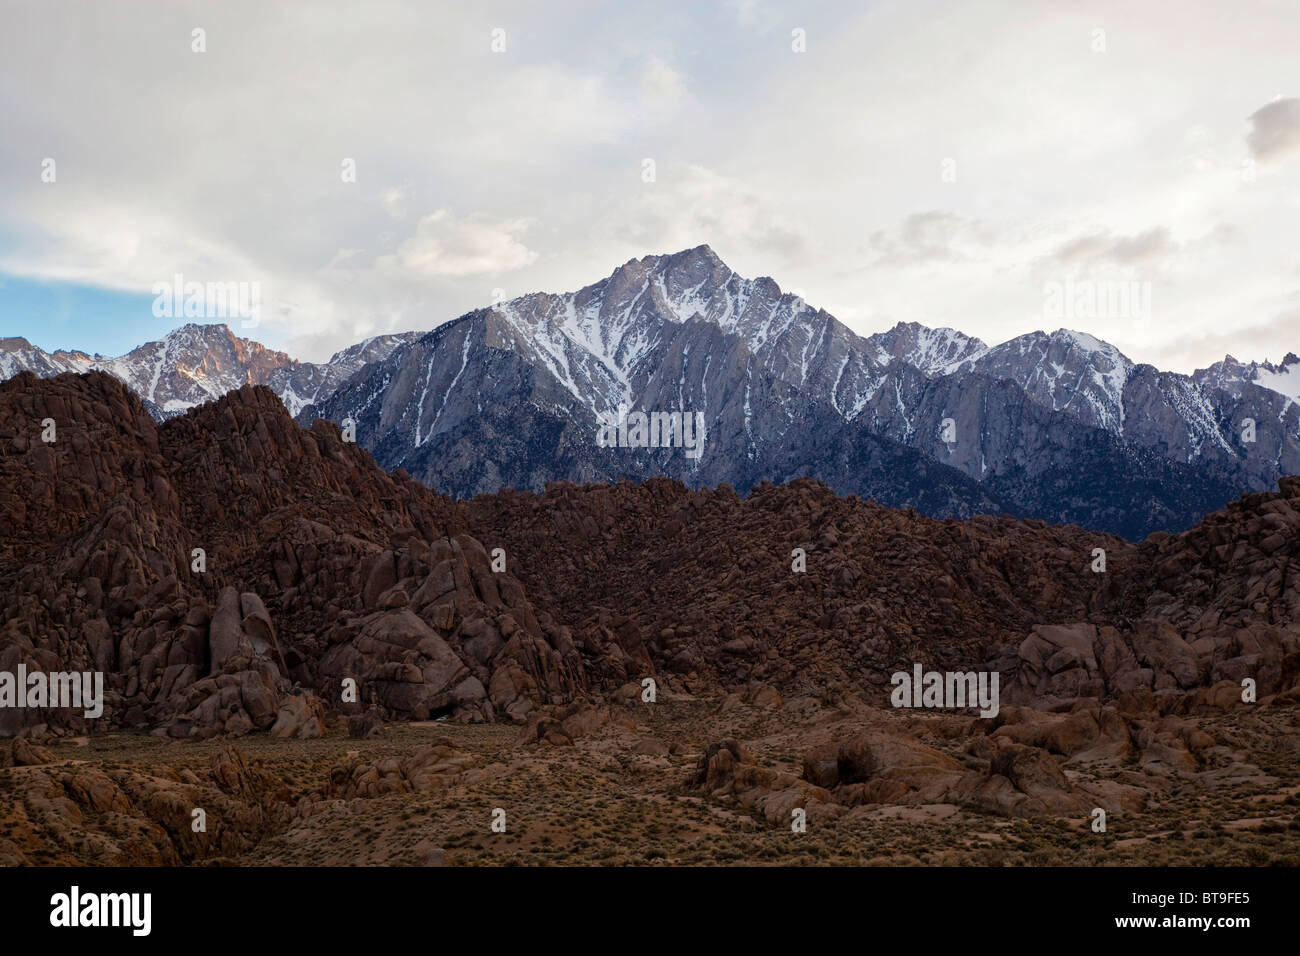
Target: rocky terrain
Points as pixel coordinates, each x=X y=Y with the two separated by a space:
x=236 y=577
x=684 y=781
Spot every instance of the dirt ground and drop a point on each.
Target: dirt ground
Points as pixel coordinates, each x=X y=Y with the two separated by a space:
x=619 y=796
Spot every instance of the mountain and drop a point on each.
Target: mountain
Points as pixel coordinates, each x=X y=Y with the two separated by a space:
x=318 y=565
x=1061 y=427
x=199 y=363
x=1181 y=417
x=1230 y=375
x=513 y=396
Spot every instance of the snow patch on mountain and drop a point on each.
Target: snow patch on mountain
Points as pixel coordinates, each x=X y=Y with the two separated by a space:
x=1231 y=375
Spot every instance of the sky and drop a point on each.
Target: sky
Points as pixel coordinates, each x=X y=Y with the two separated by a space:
x=392 y=165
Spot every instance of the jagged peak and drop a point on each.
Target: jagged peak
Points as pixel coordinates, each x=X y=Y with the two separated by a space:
x=1082 y=340
x=703 y=251
x=204 y=330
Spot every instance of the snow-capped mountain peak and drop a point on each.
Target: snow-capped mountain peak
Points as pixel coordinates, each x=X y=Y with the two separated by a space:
x=196 y=363
x=928 y=349
x=1231 y=374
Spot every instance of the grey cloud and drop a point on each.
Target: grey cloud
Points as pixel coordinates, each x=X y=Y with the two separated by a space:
x=1255 y=341
x=930 y=237
x=1275 y=130
x=1141 y=249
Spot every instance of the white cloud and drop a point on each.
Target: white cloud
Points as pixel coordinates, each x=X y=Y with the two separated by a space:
x=662 y=86
x=394 y=200
x=475 y=245
x=822 y=169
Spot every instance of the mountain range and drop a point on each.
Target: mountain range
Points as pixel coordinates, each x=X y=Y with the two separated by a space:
x=1060 y=427
x=199 y=363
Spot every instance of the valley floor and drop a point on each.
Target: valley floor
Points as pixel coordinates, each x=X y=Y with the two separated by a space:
x=633 y=789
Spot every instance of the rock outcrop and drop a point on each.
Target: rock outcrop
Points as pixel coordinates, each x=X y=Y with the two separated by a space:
x=222 y=568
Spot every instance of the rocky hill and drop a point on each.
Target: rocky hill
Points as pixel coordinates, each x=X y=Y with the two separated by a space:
x=315 y=566
x=318 y=566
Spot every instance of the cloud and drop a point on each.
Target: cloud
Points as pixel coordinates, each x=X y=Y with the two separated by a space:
x=661 y=85
x=122 y=247
x=930 y=237
x=690 y=205
x=394 y=200
x=753 y=14
x=798 y=166
x=475 y=245
x=1275 y=130
x=1144 y=248
x=1260 y=341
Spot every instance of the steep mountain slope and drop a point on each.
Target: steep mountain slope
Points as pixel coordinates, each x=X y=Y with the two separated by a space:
x=473 y=407
x=1061 y=427
x=194 y=364
x=926 y=349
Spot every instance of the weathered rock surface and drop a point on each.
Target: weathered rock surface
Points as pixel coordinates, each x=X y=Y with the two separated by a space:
x=436 y=764
x=210 y=565
x=74 y=812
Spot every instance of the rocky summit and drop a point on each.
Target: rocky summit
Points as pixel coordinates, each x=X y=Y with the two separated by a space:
x=295 y=639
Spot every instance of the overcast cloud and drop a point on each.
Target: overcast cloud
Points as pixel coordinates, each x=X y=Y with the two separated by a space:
x=920 y=161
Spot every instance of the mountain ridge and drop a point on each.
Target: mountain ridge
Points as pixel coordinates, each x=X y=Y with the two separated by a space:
x=636 y=339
